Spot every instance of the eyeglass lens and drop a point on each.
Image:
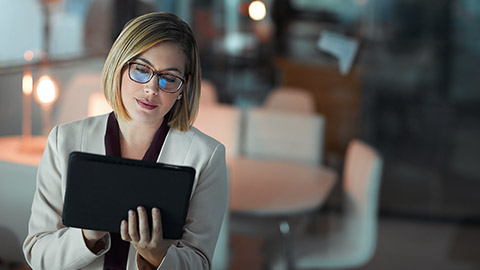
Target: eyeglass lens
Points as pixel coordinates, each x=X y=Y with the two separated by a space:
x=143 y=74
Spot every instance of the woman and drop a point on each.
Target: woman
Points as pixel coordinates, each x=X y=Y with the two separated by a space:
x=151 y=78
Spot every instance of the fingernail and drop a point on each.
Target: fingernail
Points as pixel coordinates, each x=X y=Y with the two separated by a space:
x=131 y=213
x=156 y=211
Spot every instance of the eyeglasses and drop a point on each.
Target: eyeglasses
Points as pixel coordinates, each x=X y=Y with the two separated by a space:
x=143 y=74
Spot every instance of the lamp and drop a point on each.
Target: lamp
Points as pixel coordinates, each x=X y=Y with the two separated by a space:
x=27 y=88
x=46 y=95
x=29 y=143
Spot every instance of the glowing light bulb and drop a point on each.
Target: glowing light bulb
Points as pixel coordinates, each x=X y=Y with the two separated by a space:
x=257 y=10
x=27 y=83
x=46 y=90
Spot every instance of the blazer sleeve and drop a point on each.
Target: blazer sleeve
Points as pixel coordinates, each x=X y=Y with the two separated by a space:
x=204 y=219
x=49 y=244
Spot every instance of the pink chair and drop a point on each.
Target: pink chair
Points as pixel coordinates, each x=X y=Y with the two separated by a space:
x=221 y=122
x=208 y=96
x=290 y=99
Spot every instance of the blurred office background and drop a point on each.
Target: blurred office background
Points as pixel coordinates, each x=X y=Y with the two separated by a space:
x=410 y=90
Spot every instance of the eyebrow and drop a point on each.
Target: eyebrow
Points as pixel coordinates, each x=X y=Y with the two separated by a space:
x=146 y=61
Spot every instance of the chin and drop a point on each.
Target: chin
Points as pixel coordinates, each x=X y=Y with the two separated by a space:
x=144 y=118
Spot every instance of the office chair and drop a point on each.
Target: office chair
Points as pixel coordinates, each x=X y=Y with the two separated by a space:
x=352 y=243
x=290 y=99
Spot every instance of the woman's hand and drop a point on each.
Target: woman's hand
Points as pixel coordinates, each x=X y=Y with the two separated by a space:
x=91 y=240
x=150 y=246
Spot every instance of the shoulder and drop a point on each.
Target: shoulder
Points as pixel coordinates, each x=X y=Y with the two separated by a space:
x=204 y=138
x=191 y=147
x=83 y=128
x=203 y=142
x=82 y=135
x=195 y=137
x=90 y=122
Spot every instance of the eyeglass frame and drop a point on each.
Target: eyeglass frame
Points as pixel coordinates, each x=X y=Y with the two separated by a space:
x=129 y=63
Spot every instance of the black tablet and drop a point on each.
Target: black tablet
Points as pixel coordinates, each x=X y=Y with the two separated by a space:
x=101 y=189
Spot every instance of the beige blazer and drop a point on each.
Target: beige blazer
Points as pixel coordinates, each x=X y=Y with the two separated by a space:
x=50 y=245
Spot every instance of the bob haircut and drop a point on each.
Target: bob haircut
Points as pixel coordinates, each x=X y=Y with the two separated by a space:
x=139 y=35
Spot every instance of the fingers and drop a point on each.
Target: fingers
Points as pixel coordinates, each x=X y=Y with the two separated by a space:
x=124 y=231
x=157 y=229
x=132 y=226
x=143 y=224
x=137 y=229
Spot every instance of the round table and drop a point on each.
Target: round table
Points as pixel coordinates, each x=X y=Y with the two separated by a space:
x=277 y=188
x=266 y=194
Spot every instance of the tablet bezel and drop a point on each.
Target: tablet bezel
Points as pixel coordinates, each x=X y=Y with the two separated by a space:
x=101 y=189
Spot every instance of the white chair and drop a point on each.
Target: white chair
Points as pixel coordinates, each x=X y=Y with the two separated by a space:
x=290 y=99
x=277 y=135
x=284 y=136
x=351 y=243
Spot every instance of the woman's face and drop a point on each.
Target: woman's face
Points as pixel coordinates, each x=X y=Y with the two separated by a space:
x=147 y=103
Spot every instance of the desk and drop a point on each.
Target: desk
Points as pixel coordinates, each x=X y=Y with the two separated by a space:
x=23 y=151
x=277 y=190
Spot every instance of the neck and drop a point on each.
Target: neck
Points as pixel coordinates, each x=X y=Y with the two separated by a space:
x=134 y=133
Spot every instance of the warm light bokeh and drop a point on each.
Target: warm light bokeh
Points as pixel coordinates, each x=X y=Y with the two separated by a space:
x=257 y=10
x=27 y=83
x=28 y=55
x=46 y=90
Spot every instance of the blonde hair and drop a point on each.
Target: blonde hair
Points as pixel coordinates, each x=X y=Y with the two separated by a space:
x=139 y=35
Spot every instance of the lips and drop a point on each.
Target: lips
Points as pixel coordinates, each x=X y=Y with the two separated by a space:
x=145 y=104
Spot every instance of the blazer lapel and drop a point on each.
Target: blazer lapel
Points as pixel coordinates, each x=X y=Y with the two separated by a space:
x=174 y=149
x=93 y=139
x=176 y=146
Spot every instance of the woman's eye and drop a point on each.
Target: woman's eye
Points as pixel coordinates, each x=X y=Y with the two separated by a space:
x=169 y=78
x=142 y=70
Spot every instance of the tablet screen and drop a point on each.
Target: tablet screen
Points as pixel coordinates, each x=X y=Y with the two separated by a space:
x=101 y=189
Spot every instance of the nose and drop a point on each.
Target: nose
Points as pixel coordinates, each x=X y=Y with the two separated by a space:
x=149 y=91
x=151 y=88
